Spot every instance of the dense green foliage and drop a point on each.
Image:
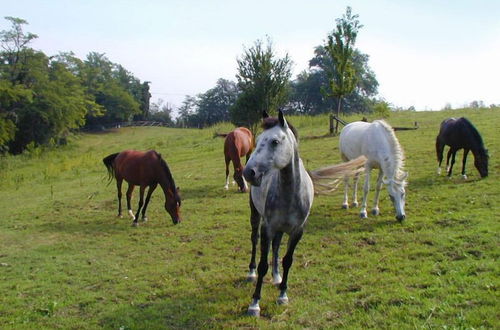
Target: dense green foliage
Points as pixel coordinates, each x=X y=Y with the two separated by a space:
x=43 y=98
x=263 y=79
x=67 y=262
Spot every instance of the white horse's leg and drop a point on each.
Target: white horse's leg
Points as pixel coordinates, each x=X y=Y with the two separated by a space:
x=375 y=210
x=345 y=204
x=355 y=191
x=366 y=188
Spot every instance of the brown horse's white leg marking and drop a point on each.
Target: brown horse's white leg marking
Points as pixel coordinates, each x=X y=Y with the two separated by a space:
x=131 y=214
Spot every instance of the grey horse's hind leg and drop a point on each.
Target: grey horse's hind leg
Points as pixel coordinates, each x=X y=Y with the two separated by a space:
x=254 y=222
x=287 y=263
x=276 y=248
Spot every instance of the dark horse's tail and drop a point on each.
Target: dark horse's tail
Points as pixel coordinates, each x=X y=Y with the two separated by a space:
x=108 y=162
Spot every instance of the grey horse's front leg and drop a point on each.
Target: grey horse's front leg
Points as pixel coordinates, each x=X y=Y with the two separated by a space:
x=254 y=223
x=276 y=247
x=265 y=242
x=287 y=264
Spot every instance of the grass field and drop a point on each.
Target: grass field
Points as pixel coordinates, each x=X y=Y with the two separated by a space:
x=67 y=262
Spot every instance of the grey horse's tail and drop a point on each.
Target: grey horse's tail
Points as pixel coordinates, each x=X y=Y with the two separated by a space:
x=327 y=179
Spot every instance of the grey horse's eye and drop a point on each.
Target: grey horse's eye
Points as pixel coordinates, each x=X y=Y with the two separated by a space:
x=275 y=142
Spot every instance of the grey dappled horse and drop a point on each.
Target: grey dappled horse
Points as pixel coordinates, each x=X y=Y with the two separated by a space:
x=281 y=195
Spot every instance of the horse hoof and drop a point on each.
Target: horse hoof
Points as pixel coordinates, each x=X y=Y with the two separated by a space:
x=345 y=206
x=135 y=224
x=375 y=212
x=355 y=204
x=226 y=187
x=363 y=215
x=119 y=216
x=252 y=276
x=253 y=311
x=464 y=177
x=145 y=219
x=276 y=280
x=438 y=171
x=282 y=300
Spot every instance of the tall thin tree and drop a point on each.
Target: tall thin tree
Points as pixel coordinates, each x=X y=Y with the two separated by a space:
x=340 y=48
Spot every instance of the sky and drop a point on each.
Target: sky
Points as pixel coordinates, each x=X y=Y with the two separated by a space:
x=425 y=54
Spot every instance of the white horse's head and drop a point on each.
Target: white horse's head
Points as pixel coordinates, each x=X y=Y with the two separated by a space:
x=274 y=150
x=397 y=193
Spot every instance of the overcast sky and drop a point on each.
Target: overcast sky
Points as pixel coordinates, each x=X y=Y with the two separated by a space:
x=424 y=53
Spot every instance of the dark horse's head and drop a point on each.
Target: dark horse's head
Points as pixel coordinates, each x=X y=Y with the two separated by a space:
x=172 y=197
x=481 y=162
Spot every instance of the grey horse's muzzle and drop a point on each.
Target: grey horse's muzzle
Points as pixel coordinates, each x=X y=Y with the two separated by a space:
x=252 y=176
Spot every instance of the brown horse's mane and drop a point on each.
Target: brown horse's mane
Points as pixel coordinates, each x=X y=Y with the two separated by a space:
x=270 y=122
x=165 y=167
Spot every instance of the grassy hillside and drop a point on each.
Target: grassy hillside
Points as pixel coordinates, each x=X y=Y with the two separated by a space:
x=66 y=261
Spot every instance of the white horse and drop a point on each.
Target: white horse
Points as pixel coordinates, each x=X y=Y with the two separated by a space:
x=378 y=143
x=281 y=196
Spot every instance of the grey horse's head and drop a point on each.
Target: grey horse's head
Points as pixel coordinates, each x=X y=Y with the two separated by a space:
x=274 y=150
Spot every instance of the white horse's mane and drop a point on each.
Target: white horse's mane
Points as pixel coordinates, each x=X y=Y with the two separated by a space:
x=397 y=151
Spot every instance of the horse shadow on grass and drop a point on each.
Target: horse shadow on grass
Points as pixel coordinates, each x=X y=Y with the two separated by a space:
x=436 y=180
x=207 y=190
x=349 y=223
x=195 y=309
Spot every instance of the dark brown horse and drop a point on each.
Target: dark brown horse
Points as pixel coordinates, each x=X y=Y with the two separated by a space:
x=238 y=143
x=143 y=169
x=461 y=134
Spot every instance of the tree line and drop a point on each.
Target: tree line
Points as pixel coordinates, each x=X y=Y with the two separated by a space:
x=43 y=98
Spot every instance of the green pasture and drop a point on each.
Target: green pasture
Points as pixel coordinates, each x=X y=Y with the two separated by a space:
x=67 y=261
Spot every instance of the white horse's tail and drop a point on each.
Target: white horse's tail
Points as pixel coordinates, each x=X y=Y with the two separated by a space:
x=327 y=179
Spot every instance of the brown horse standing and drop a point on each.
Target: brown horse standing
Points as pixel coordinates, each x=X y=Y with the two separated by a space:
x=143 y=169
x=238 y=143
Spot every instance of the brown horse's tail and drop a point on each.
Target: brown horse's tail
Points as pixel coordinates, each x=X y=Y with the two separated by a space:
x=220 y=135
x=109 y=162
x=327 y=179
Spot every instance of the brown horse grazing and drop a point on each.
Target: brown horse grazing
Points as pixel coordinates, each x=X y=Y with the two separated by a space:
x=238 y=143
x=143 y=169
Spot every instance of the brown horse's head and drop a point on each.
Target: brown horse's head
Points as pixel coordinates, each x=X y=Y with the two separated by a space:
x=238 y=178
x=173 y=205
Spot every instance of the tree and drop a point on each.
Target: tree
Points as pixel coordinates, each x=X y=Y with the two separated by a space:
x=14 y=42
x=187 y=112
x=340 y=48
x=161 y=112
x=306 y=90
x=263 y=80
x=109 y=88
x=214 y=105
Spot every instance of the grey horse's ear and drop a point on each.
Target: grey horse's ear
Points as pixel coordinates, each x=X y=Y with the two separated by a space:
x=281 y=118
x=264 y=114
